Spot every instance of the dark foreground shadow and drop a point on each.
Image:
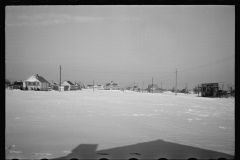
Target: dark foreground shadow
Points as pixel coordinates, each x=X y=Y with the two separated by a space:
x=147 y=150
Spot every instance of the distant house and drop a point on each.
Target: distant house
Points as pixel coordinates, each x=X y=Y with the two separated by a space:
x=129 y=88
x=36 y=82
x=69 y=84
x=54 y=86
x=152 y=87
x=99 y=87
x=82 y=86
x=89 y=86
x=111 y=86
x=135 y=88
x=77 y=86
x=160 y=90
x=7 y=83
x=17 y=85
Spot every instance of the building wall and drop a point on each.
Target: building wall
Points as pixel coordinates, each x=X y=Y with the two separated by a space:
x=111 y=87
x=70 y=87
x=32 y=84
x=66 y=84
x=44 y=86
x=89 y=87
x=209 y=89
x=98 y=87
x=55 y=87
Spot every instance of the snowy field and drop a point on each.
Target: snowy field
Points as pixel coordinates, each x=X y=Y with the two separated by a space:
x=51 y=124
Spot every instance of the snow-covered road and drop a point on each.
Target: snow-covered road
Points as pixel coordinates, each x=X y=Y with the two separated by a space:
x=50 y=124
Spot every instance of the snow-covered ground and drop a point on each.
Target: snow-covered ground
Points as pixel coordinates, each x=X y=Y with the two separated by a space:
x=50 y=124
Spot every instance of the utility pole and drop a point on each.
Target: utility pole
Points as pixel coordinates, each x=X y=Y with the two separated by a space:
x=60 y=80
x=186 y=88
x=198 y=90
x=176 y=83
x=152 y=84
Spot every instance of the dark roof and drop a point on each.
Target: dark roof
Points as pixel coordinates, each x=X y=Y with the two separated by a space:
x=113 y=84
x=154 y=85
x=70 y=83
x=17 y=83
x=41 y=79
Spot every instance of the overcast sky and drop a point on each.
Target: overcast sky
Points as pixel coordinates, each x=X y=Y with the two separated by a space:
x=124 y=44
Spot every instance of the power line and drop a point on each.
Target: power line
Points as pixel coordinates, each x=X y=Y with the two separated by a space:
x=207 y=64
x=51 y=72
x=167 y=75
x=143 y=73
x=77 y=70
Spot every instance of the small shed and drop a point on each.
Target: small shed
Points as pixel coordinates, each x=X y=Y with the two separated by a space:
x=209 y=89
x=216 y=89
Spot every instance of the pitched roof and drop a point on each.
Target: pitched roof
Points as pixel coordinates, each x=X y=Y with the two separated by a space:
x=154 y=85
x=70 y=83
x=111 y=84
x=41 y=79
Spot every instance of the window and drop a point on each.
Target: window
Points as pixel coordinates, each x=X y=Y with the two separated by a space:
x=34 y=83
x=38 y=84
x=29 y=83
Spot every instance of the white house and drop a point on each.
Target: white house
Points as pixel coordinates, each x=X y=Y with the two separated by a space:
x=36 y=81
x=70 y=85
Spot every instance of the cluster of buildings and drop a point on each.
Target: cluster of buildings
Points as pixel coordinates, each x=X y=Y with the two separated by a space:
x=36 y=82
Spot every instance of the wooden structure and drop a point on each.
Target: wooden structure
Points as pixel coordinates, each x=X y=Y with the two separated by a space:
x=209 y=89
x=215 y=89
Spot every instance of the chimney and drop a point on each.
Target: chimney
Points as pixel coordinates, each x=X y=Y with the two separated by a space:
x=36 y=74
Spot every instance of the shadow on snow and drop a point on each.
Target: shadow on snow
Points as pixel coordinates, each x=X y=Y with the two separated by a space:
x=153 y=149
